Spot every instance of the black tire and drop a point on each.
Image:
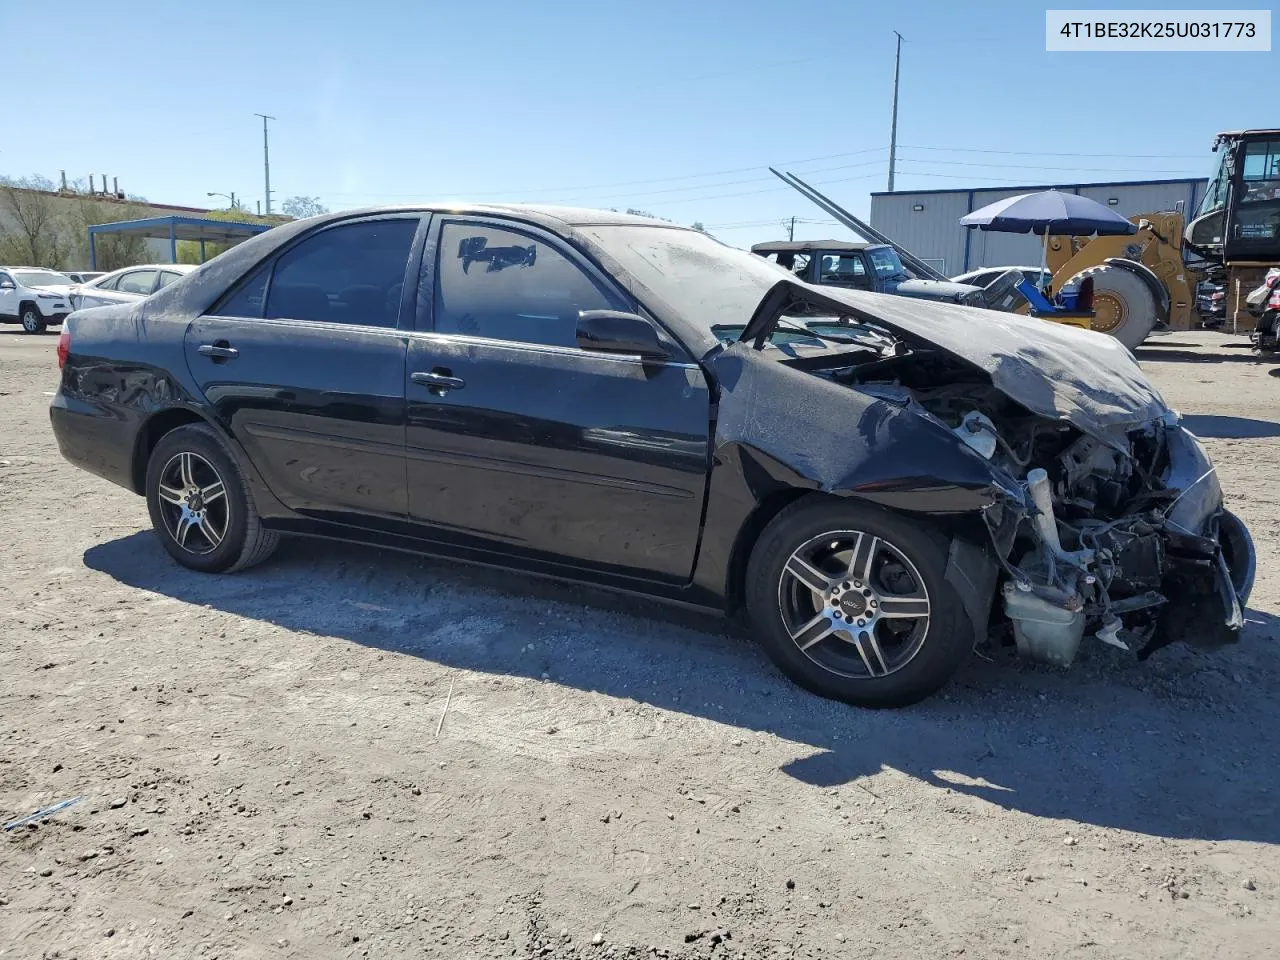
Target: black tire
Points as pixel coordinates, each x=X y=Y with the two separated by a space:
x=30 y=319
x=1124 y=305
x=939 y=641
x=241 y=541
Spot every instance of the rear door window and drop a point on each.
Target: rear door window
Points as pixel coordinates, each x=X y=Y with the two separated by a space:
x=137 y=281
x=352 y=273
x=509 y=285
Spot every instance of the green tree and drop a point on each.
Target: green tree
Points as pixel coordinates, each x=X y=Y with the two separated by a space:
x=30 y=231
x=302 y=207
x=697 y=225
x=114 y=250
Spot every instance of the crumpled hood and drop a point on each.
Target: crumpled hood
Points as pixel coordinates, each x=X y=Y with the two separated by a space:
x=1089 y=379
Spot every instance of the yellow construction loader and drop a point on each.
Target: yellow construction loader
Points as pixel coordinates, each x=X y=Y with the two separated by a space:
x=1150 y=278
x=1140 y=281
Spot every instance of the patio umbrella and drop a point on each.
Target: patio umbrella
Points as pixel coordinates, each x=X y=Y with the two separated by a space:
x=1046 y=212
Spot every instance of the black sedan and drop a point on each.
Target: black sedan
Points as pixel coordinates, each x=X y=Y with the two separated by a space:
x=876 y=482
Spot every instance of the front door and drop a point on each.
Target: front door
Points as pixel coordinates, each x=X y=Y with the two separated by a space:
x=521 y=443
x=305 y=364
x=8 y=296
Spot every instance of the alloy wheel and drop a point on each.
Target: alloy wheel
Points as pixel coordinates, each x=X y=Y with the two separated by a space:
x=854 y=604
x=193 y=503
x=31 y=321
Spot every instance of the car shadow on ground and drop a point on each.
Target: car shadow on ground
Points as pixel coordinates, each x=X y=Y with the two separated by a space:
x=1183 y=745
x=1170 y=354
x=1230 y=428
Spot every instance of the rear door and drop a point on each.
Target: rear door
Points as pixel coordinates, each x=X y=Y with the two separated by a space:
x=520 y=442
x=304 y=363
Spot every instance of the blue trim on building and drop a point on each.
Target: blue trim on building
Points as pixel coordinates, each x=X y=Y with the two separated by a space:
x=178 y=228
x=1076 y=187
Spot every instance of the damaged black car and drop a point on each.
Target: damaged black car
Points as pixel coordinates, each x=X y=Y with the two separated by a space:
x=877 y=483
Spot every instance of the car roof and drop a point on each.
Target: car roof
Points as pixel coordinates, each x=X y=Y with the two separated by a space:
x=805 y=246
x=552 y=215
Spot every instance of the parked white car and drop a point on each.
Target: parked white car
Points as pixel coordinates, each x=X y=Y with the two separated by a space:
x=34 y=297
x=128 y=284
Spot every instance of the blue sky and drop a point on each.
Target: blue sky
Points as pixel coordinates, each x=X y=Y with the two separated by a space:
x=673 y=107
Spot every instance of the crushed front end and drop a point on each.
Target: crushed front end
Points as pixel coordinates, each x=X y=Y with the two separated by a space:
x=1124 y=537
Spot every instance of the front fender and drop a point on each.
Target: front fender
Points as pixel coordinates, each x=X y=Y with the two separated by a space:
x=782 y=432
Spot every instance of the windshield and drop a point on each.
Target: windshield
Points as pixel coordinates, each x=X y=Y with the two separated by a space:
x=41 y=278
x=1215 y=195
x=709 y=283
x=886 y=262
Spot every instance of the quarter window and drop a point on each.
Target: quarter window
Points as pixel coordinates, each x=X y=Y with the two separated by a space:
x=167 y=277
x=508 y=285
x=352 y=273
x=139 y=281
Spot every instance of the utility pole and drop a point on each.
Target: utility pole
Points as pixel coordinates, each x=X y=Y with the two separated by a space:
x=266 y=163
x=893 y=125
x=791 y=231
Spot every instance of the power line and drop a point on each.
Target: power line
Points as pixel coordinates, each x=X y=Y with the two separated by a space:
x=1056 y=153
x=1024 y=166
x=629 y=183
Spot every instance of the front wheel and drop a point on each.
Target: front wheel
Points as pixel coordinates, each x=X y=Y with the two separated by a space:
x=200 y=506
x=851 y=602
x=32 y=322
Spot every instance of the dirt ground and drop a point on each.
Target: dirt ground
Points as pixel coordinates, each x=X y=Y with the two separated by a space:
x=263 y=771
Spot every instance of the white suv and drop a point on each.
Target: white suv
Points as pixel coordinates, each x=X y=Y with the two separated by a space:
x=34 y=297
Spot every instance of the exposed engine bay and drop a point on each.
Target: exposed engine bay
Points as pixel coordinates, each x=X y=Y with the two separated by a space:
x=1119 y=534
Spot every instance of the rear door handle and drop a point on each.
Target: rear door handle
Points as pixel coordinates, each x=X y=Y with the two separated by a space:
x=438 y=381
x=219 y=351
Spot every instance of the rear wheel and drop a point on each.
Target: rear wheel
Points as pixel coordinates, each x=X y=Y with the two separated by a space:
x=1123 y=304
x=32 y=322
x=852 y=603
x=200 y=505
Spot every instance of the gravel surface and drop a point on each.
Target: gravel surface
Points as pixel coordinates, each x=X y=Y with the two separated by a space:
x=263 y=770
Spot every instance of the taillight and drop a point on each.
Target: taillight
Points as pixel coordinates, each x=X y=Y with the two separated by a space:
x=1274 y=302
x=64 y=347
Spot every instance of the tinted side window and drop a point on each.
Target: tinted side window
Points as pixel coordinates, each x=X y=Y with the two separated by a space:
x=246 y=300
x=167 y=277
x=352 y=273
x=139 y=281
x=507 y=285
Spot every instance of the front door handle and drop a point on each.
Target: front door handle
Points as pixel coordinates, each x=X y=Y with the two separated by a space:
x=439 y=381
x=219 y=351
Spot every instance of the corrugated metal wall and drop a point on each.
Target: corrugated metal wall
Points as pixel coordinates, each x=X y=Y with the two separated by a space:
x=934 y=232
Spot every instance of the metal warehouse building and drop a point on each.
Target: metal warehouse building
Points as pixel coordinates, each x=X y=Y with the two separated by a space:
x=927 y=222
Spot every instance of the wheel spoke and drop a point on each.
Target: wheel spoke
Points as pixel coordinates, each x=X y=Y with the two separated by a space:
x=904 y=608
x=213 y=492
x=185 y=523
x=184 y=470
x=864 y=554
x=210 y=534
x=808 y=574
x=868 y=648
x=171 y=495
x=816 y=630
